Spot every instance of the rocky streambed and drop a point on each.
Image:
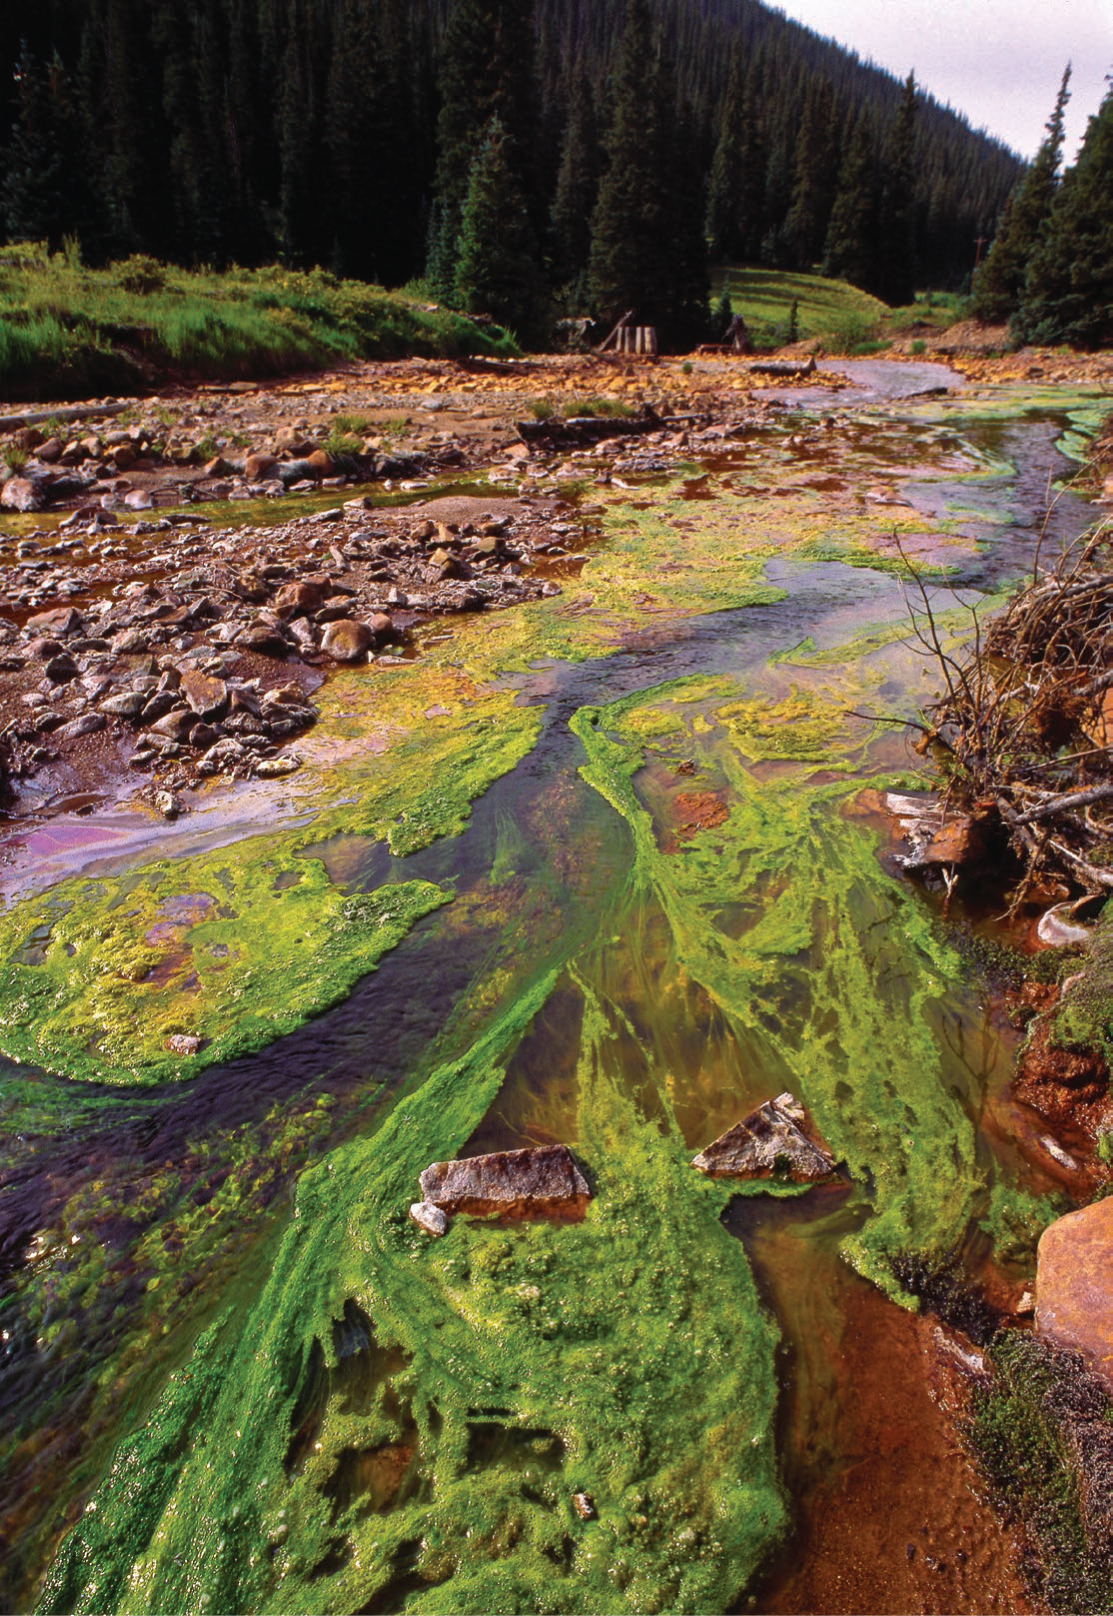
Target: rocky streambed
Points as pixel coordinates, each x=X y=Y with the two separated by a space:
x=581 y=847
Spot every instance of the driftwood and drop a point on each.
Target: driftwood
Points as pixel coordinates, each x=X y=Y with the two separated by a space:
x=68 y=412
x=792 y=368
x=556 y=433
x=1024 y=727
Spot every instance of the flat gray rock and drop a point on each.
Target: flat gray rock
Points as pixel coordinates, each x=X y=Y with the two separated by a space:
x=515 y=1183
x=771 y=1139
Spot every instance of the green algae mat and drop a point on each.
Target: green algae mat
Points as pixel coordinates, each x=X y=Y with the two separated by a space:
x=598 y=871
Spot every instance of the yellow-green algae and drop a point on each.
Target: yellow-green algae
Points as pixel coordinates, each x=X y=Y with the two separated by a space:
x=828 y=972
x=401 y=1424
x=238 y=946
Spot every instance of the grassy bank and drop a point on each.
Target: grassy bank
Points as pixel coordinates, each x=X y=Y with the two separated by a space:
x=68 y=331
x=840 y=317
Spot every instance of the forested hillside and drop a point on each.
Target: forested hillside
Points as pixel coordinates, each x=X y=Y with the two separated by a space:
x=381 y=138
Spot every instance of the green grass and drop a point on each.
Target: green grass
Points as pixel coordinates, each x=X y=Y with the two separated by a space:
x=68 y=331
x=827 y=311
x=839 y=317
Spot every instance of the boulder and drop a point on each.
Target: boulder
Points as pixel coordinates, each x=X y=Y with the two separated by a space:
x=87 y=724
x=298 y=597
x=59 y=620
x=22 y=494
x=514 y=1183
x=346 y=640
x=771 y=1139
x=207 y=697
x=258 y=466
x=1074 y=1285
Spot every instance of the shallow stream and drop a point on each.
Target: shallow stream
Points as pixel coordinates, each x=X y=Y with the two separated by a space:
x=604 y=870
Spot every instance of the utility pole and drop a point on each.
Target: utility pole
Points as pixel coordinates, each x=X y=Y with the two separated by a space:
x=979 y=243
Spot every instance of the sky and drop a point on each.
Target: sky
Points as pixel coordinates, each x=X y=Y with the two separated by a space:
x=997 y=61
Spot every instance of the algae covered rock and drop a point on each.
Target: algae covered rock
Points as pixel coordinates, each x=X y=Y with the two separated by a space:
x=769 y=1140
x=515 y=1183
x=1074 y=1285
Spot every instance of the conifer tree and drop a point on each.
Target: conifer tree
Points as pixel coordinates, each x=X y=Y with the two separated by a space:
x=40 y=195
x=894 y=272
x=851 y=234
x=1068 y=291
x=487 y=69
x=815 y=166
x=577 y=184
x=647 y=248
x=724 y=212
x=1000 y=279
x=497 y=271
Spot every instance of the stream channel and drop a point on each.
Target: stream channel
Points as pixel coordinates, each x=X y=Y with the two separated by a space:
x=626 y=846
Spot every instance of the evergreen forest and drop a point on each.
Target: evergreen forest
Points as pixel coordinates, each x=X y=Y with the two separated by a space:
x=529 y=159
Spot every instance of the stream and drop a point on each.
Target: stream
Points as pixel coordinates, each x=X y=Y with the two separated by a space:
x=625 y=855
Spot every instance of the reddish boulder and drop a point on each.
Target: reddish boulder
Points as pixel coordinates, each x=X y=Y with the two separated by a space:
x=1074 y=1285
x=346 y=640
x=207 y=697
x=515 y=1183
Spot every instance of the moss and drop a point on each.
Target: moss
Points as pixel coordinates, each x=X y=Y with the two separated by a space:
x=209 y=950
x=471 y=1385
x=829 y=976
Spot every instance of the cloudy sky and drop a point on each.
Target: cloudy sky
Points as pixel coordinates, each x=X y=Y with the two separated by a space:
x=997 y=61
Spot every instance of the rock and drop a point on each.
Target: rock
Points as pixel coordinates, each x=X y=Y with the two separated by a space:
x=123 y=457
x=183 y=1043
x=299 y=596
x=515 y=1183
x=168 y=806
x=60 y=621
x=429 y=1218
x=262 y=639
x=61 y=669
x=769 y=1140
x=584 y=1505
x=273 y=768
x=383 y=628
x=1074 y=1285
x=226 y=754
x=958 y=841
x=346 y=640
x=203 y=736
x=87 y=724
x=257 y=467
x=130 y=704
x=50 y=451
x=292 y=441
x=1054 y=929
x=22 y=494
x=138 y=500
x=319 y=463
x=176 y=725
x=207 y=697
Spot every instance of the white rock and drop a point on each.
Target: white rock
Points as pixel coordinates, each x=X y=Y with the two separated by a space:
x=430 y=1218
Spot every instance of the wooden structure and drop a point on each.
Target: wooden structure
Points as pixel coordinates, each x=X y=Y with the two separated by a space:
x=628 y=338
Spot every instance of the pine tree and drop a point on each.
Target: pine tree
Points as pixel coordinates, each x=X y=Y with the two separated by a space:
x=1068 y=291
x=577 y=184
x=40 y=193
x=894 y=272
x=647 y=248
x=815 y=165
x=852 y=232
x=724 y=221
x=497 y=271
x=1000 y=280
x=487 y=69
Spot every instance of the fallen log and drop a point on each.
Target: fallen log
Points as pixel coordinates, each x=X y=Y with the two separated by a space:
x=580 y=429
x=782 y=367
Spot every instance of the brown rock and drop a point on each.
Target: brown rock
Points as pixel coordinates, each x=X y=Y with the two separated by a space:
x=959 y=841
x=87 y=724
x=21 y=494
x=1074 y=1285
x=123 y=456
x=257 y=467
x=177 y=725
x=60 y=620
x=319 y=463
x=346 y=640
x=208 y=697
x=383 y=628
x=50 y=451
x=298 y=597
x=770 y=1139
x=263 y=639
x=515 y=1183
